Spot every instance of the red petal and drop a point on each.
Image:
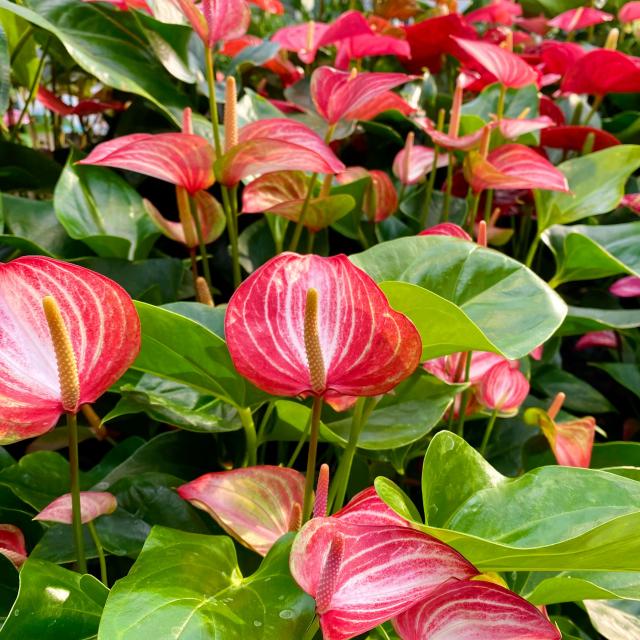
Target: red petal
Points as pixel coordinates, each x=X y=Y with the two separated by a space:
x=579 y=18
x=457 y=143
x=627 y=287
x=387 y=101
x=367 y=347
x=103 y=326
x=194 y=15
x=348 y=25
x=182 y=159
x=254 y=505
x=597 y=339
x=302 y=39
x=226 y=19
x=631 y=201
x=367 y=509
x=629 y=12
x=338 y=95
x=419 y=165
x=574 y=137
x=12 y=544
x=506 y=67
x=53 y=103
x=372 y=44
x=384 y=570
x=571 y=442
x=512 y=128
x=447 y=229
x=503 y=388
x=474 y=610
x=270 y=6
x=273 y=189
x=93 y=504
x=498 y=12
x=559 y=57
x=601 y=72
x=384 y=196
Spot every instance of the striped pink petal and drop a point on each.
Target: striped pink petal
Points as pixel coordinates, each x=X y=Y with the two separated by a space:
x=367 y=347
x=381 y=572
x=418 y=165
x=513 y=166
x=603 y=71
x=474 y=610
x=338 y=95
x=183 y=159
x=503 y=388
x=93 y=504
x=455 y=143
x=367 y=509
x=572 y=441
x=273 y=189
x=591 y=339
x=447 y=229
x=579 y=18
x=369 y=44
x=506 y=67
x=302 y=39
x=254 y=505
x=12 y=544
x=226 y=19
x=387 y=101
x=627 y=287
x=194 y=15
x=629 y=12
x=512 y=128
x=103 y=326
x=381 y=199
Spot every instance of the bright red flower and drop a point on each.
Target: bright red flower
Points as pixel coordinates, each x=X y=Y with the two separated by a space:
x=269 y=6
x=12 y=544
x=603 y=71
x=93 y=504
x=103 y=327
x=574 y=137
x=512 y=128
x=216 y=20
x=255 y=505
x=127 y=5
x=474 y=610
x=629 y=12
x=367 y=509
x=559 y=57
x=447 y=229
x=496 y=12
x=83 y=108
x=183 y=159
x=503 y=388
x=366 y=347
x=302 y=39
x=579 y=18
x=592 y=339
x=627 y=287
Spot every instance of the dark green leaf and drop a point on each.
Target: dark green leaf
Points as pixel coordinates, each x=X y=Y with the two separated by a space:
x=24 y=168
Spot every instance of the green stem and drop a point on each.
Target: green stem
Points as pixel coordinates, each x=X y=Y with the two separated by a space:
x=594 y=107
x=100 y=550
x=466 y=394
x=473 y=212
x=447 y=193
x=74 y=467
x=232 y=230
x=428 y=194
x=297 y=232
x=488 y=205
x=301 y=441
x=213 y=104
x=21 y=42
x=501 y=99
x=312 y=629
x=532 y=251
x=246 y=418
x=488 y=431
x=316 y=411
x=193 y=211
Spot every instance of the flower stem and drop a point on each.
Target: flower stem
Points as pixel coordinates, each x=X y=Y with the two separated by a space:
x=532 y=251
x=232 y=230
x=100 y=550
x=213 y=104
x=446 y=205
x=246 y=418
x=465 y=395
x=316 y=411
x=297 y=232
x=488 y=431
x=74 y=467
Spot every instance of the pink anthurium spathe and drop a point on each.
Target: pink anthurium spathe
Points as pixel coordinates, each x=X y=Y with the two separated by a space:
x=12 y=544
x=83 y=108
x=502 y=12
x=364 y=348
x=302 y=39
x=629 y=12
x=579 y=18
x=591 y=339
x=474 y=610
x=255 y=505
x=627 y=287
x=361 y=576
x=367 y=509
x=183 y=159
x=512 y=128
x=381 y=199
x=504 y=388
x=631 y=201
x=338 y=95
x=447 y=229
x=93 y=504
x=103 y=328
x=414 y=162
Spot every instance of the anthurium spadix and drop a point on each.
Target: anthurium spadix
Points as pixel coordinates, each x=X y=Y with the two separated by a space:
x=103 y=331
x=255 y=505
x=308 y=325
x=93 y=505
x=361 y=576
x=474 y=610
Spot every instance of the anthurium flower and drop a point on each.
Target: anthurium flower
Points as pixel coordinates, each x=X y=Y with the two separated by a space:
x=83 y=108
x=513 y=166
x=381 y=199
x=302 y=39
x=337 y=95
x=363 y=346
x=504 y=66
x=269 y=6
x=629 y=12
x=127 y=5
x=104 y=330
x=387 y=101
x=558 y=57
x=627 y=287
x=367 y=509
x=414 y=162
x=12 y=544
x=574 y=138
x=597 y=339
x=451 y=368
x=603 y=71
x=474 y=610
x=512 y=128
x=496 y=12
x=93 y=504
x=183 y=159
x=255 y=505
x=361 y=576
x=504 y=388
x=447 y=229
x=579 y=18
x=631 y=201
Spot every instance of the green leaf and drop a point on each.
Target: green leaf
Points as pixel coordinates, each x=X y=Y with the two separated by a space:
x=589 y=197
x=627 y=375
x=8 y=585
x=462 y=297
x=185 y=585
x=99 y=207
x=504 y=524
x=109 y=45
x=615 y=620
x=54 y=603
x=25 y=168
x=579 y=320
x=588 y=252
x=5 y=71
x=516 y=101
x=211 y=318
x=24 y=65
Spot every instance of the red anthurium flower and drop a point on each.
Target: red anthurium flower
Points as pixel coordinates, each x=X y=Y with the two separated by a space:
x=579 y=18
x=503 y=388
x=512 y=128
x=414 y=162
x=302 y=39
x=83 y=108
x=629 y=12
x=447 y=229
x=365 y=347
x=603 y=71
x=255 y=505
x=631 y=201
x=387 y=101
x=536 y=24
x=367 y=509
x=93 y=504
x=337 y=95
x=381 y=199
x=126 y=5
x=103 y=327
x=574 y=137
x=496 y=12
x=184 y=159
x=536 y=354
x=361 y=576
x=597 y=339
x=504 y=66
x=513 y=166
x=276 y=144
x=559 y=57
x=453 y=143
x=12 y=544
x=627 y=287
x=474 y=610
x=269 y=6
x=216 y=20
x=451 y=368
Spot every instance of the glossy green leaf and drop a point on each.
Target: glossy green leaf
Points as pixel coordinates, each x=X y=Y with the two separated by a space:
x=99 y=207
x=5 y=71
x=516 y=101
x=210 y=317
x=54 y=603
x=588 y=252
x=627 y=375
x=25 y=168
x=589 y=196
x=25 y=62
x=471 y=297
x=8 y=585
x=579 y=320
x=187 y=586
x=615 y=620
